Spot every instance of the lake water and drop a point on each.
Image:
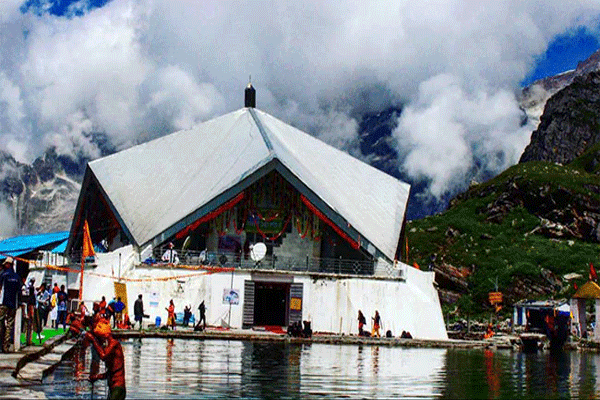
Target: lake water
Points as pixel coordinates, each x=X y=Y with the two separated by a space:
x=188 y=369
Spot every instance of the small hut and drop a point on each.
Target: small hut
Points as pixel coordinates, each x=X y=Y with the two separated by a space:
x=590 y=290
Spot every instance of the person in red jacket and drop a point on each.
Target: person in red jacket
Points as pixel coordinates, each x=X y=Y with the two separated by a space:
x=111 y=353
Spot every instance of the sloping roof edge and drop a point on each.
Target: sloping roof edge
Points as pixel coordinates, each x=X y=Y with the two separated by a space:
x=590 y=290
x=90 y=179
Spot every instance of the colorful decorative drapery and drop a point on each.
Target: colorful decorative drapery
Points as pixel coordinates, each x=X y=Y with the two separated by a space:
x=276 y=236
x=355 y=244
x=211 y=215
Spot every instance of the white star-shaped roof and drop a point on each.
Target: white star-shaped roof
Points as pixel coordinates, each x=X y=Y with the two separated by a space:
x=155 y=185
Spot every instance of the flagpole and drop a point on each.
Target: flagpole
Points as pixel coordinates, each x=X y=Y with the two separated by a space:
x=87 y=250
x=81 y=280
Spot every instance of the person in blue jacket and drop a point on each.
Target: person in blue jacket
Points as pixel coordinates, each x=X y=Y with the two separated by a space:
x=10 y=287
x=119 y=307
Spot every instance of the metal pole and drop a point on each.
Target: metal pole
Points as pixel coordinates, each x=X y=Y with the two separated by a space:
x=80 y=281
x=119 y=267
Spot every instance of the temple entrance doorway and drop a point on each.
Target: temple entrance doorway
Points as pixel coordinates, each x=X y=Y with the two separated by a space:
x=271 y=303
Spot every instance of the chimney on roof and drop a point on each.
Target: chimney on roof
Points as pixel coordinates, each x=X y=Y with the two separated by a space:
x=250 y=96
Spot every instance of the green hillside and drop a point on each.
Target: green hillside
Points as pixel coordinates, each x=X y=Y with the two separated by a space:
x=526 y=228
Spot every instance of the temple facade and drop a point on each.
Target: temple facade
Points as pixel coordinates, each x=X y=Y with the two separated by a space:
x=264 y=223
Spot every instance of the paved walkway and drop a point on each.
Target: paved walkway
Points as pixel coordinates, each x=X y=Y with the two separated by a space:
x=30 y=362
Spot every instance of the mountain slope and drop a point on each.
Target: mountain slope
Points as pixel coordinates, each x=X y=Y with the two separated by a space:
x=526 y=228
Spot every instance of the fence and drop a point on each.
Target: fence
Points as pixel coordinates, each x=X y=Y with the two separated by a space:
x=270 y=262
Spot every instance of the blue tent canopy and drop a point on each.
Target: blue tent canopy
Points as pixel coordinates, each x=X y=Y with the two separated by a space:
x=19 y=245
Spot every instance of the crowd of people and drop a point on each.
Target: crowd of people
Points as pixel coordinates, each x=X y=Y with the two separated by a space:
x=38 y=303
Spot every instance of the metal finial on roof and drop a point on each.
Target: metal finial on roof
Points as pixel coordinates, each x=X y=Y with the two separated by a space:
x=250 y=95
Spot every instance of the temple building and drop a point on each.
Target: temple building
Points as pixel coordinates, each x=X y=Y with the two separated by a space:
x=265 y=223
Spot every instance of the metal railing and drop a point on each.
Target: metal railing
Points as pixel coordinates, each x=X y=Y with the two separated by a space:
x=282 y=263
x=270 y=262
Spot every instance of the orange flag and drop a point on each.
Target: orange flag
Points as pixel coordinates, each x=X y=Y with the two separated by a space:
x=593 y=275
x=88 y=246
x=416 y=265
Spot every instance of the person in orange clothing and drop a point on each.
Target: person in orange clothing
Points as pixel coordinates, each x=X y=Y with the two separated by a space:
x=489 y=331
x=171 y=317
x=376 y=325
x=111 y=353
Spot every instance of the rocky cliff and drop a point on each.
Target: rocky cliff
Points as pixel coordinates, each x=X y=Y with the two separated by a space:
x=570 y=123
x=42 y=196
x=534 y=97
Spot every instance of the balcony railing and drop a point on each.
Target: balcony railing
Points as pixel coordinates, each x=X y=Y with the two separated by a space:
x=236 y=260
x=270 y=262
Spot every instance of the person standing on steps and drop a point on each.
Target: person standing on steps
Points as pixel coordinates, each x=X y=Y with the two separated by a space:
x=10 y=286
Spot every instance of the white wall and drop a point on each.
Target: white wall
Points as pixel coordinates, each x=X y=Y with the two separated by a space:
x=330 y=304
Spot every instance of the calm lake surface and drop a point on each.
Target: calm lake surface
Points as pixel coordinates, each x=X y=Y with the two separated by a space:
x=187 y=369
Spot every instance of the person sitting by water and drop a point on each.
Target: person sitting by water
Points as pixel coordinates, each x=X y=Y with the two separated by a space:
x=170 y=256
x=307 y=331
x=111 y=353
x=489 y=332
x=126 y=323
x=295 y=329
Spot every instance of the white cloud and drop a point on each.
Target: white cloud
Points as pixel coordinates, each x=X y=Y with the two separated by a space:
x=8 y=223
x=446 y=131
x=139 y=69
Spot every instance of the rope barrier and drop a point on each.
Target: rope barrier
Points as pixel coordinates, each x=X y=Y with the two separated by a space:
x=207 y=270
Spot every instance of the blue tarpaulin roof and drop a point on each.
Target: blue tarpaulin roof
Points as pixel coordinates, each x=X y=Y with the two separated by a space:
x=19 y=245
x=61 y=247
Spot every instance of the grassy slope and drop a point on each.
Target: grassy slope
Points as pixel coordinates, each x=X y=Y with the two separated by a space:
x=503 y=250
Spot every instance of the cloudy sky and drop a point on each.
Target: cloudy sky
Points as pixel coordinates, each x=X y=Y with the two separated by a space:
x=140 y=69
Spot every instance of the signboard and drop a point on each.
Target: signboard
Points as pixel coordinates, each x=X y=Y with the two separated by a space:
x=295 y=303
x=495 y=297
x=121 y=291
x=154 y=297
x=231 y=296
x=270 y=225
